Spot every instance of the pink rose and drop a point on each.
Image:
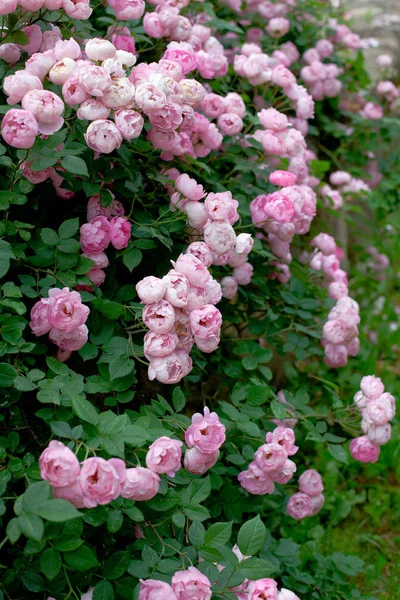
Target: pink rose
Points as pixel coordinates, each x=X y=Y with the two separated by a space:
x=46 y=107
x=39 y=323
x=10 y=53
x=372 y=386
x=164 y=456
x=167 y=117
x=378 y=434
x=230 y=123
x=189 y=187
x=270 y=118
x=100 y=481
x=98 y=49
x=19 y=128
x=95 y=235
x=177 y=288
x=220 y=236
x=159 y=344
x=243 y=273
x=285 y=594
x=263 y=589
x=91 y=110
x=256 y=481
x=39 y=64
x=73 y=493
x=129 y=122
x=310 y=483
x=193 y=269
x=317 y=503
x=34 y=34
x=69 y=340
x=201 y=251
x=218 y=205
x=282 y=178
x=149 y=97
x=299 y=506
x=170 y=369
x=150 y=289
x=206 y=433
x=205 y=322
x=285 y=473
x=244 y=243
x=65 y=310
x=128 y=9
x=8 y=6
x=191 y=584
x=229 y=287
x=284 y=436
x=277 y=27
x=77 y=9
x=159 y=316
x=123 y=42
x=152 y=589
x=120 y=233
x=198 y=462
x=103 y=136
x=380 y=410
x=183 y=54
x=140 y=484
x=270 y=457
x=59 y=465
x=334 y=332
x=95 y=209
x=73 y=92
x=372 y=111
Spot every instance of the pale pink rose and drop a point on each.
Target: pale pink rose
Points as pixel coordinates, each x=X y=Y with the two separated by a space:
x=229 y=287
x=234 y=104
x=380 y=410
x=220 y=236
x=277 y=27
x=198 y=462
x=167 y=117
x=153 y=25
x=372 y=111
x=372 y=386
x=263 y=589
x=310 y=483
x=77 y=9
x=270 y=457
x=206 y=433
x=334 y=332
x=103 y=136
x=88 y=595
x=189 y=187
x=69 y=340
x=159 y=316
x=256 y=481
x=243 y=274
x=159 y=344
x=94 y=80
x=65 y=309
x=276 y=206
x=317 y=503
x=34 y=34
x=73 y=493
x=170 y=369
x=50 y=37
x=205 y=322
x=285 y=473
x=285 y=594
x=8 y=6
x=230 y=123
x=95 y=209
x=140 y=484
x=325 y=243
x=183 y=54
x=128 y=9
x=100 y=481
x=122 y=40
x=73 y=92
x=284 y=436
x=336 y=355
x=46 y=107
x=120 y=232
x=244 y=243
x=39 y=323
x=384 y=61
x=149 y=97
x=191 y=584
x=129 y=122
x=152 y=589
x=193 y=269
x=96 y=276
x=98 y=49
x=363 y=450
x=91 y=110
x=39 y=64
x=150 y=289
x=282 y=178
x=17 y=85
x=378 y=434
x=59 y=465
x=10 y=53
x=164 y=456
x=201 y=251
x=299 y=506
x=95 y=235
x=67 y=49
x=177 y=288
x=120 y=94
x=196 y=213
x=218 y=205
x=207 y=345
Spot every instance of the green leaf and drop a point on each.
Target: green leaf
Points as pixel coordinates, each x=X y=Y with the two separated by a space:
x=218 y=534
x=32 y=526
x=58 y=511
x=68 y=228
x=13 y=530
x=199 y=490
x=85 y=411
x=256 y=568
x=6 y=254
x=132 y=258
x=75 y=165
x=50 y=563
x=196 y=512
x=82 y=559
x=252 y=536
x=61 y=429
x=338 y=452
x=134 y=513
x=103 y=591
x=49 y=236
x=178 y=399
x=116 y=565
x=35 y=495
x=65 y=543
x=115 y=520
x=196 y=534
x=120 y=366
x=106 y=197
x=7 y=375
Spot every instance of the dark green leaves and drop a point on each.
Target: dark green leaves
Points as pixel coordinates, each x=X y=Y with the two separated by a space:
x=75 y=165
x=252 y=536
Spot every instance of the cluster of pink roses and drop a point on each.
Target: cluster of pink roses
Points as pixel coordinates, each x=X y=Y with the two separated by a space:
x=379 y=263
x=212 y=222
x=74 y=9
x=310 y=499
x=271 y=463
x=62 y=315
x=321 y=78
x=105 y=225
x=340 y=332
x=281 y=215
x=377 y=409
x=204 y=437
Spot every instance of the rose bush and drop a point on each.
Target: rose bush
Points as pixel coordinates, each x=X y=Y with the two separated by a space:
x=183 y=321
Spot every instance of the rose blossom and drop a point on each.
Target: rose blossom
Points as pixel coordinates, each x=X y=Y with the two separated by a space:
x=364 y=450
x=103 y=136
x=58 y=465
x=120 y=232
x=263 y=589
x=206 y=433
x=220 y=236
x=69 y=340
x=243 y=273
x=95 y=235
x=129 y=122
x=198 y=462
x=98 y=49
x=140 y=484
x=152 y=589
x=91 y=110
x=284 y=436
x=150 y=289
x=65 y=309
x=19 y=128
x=282 y=178
x=46 y=107
x=177 y=288
x=285 y=594
x=164 y=456
x=205 y=322
x=193 y=269
x=299 y=506
x=100 y=481
x=159 y=344
x=372 y=386
x=159 y=316
x=190 y=584
x=270 y=457
x=73 y=493
x=380 y=410
x=229 y=287
x=170 y=369
x=256 y=481
x=310 y=483
x=40 y=323
x=189 y=187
